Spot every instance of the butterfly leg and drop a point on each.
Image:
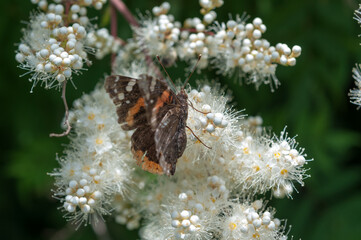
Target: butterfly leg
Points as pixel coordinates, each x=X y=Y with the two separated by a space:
x=198 y=138
x=191 y=104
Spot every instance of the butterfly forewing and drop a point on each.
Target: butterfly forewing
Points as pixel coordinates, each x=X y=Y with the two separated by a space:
x=130 y=104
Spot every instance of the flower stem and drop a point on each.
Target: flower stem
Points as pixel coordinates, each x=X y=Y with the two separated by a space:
x=100 y=229
x=113 y=28
x=67 y=131
x=122 y=8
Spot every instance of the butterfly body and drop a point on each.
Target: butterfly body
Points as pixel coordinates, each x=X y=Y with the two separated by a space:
x=158 y=116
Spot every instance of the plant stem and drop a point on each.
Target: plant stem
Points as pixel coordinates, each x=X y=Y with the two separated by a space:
x=113 y=28
x=63 y=95
x=66 y=132
x=122 y=8
x=100 y=229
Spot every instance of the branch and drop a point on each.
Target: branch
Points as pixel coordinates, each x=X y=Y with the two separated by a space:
x=100 y=229
x=113 y=28
x=67 y=131
x=122 y=8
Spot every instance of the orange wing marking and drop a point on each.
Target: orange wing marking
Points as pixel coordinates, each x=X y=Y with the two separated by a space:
x=161 y=100
x=144 y=162
x=134 y=110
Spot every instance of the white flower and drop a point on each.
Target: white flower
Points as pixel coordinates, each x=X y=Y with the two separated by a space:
x=248 y=221
x=96 y=165
x=103 y=42
x=125 y=213
x=158 y=36
x=52 y=49
x=240 y=45
x=355 y=94
x=190 y=211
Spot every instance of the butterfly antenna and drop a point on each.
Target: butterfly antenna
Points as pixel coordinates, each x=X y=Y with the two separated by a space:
x=165 y=71
x=195 y=66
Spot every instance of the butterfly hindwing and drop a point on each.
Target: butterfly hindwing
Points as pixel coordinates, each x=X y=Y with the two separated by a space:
x=143 y=148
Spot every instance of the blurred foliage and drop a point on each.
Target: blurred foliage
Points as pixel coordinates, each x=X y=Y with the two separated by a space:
x=312 y=101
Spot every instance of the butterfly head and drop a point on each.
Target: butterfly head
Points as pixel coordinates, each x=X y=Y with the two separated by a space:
x=182 y=97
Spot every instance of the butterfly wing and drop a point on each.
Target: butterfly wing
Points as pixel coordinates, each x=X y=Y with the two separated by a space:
x=158 y=96
x=170 y=140
x=143 y=148
x=141 y=104
x=128 y=99
x=138 y=100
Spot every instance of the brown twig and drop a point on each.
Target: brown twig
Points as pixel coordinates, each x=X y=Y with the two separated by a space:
x=122 y=8
x=66 y=17
x=113 y=28
x=67 y=131
x=63 y=95
x=100 y=229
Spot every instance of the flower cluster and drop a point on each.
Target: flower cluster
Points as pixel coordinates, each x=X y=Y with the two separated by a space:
x=53 y=47
x=103 y=42
x=355 y=94
x=248 y=221
x=230 y=160
x=209 y=195
x=234 y=45
x=92 y=171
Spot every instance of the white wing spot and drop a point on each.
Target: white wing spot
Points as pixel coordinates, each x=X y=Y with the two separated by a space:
x=121 y=96
x=115 y=90
x=127 y=102
x=116 y=79
x=131 y=82
x=129 y=88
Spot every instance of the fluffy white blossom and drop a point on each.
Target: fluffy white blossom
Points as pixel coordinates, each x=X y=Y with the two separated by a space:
x=97 y=164
x=103 y=42
x=226 y=156
x=250 y=221
x=355 y=94
x=158 y=36
x=53 y=48
x=234 y=46
x=229 y=159
x=240 y=45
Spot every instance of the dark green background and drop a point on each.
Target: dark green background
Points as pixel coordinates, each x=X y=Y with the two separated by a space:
x=312 y=101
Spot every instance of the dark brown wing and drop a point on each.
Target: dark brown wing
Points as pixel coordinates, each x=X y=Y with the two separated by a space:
x=137 y=99
x=170 y=140
x=158 y=96
x=143 y=148
x=125 y=93
x=149 y=106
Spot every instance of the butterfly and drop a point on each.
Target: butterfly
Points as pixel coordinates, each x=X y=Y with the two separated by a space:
x=158 y=116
